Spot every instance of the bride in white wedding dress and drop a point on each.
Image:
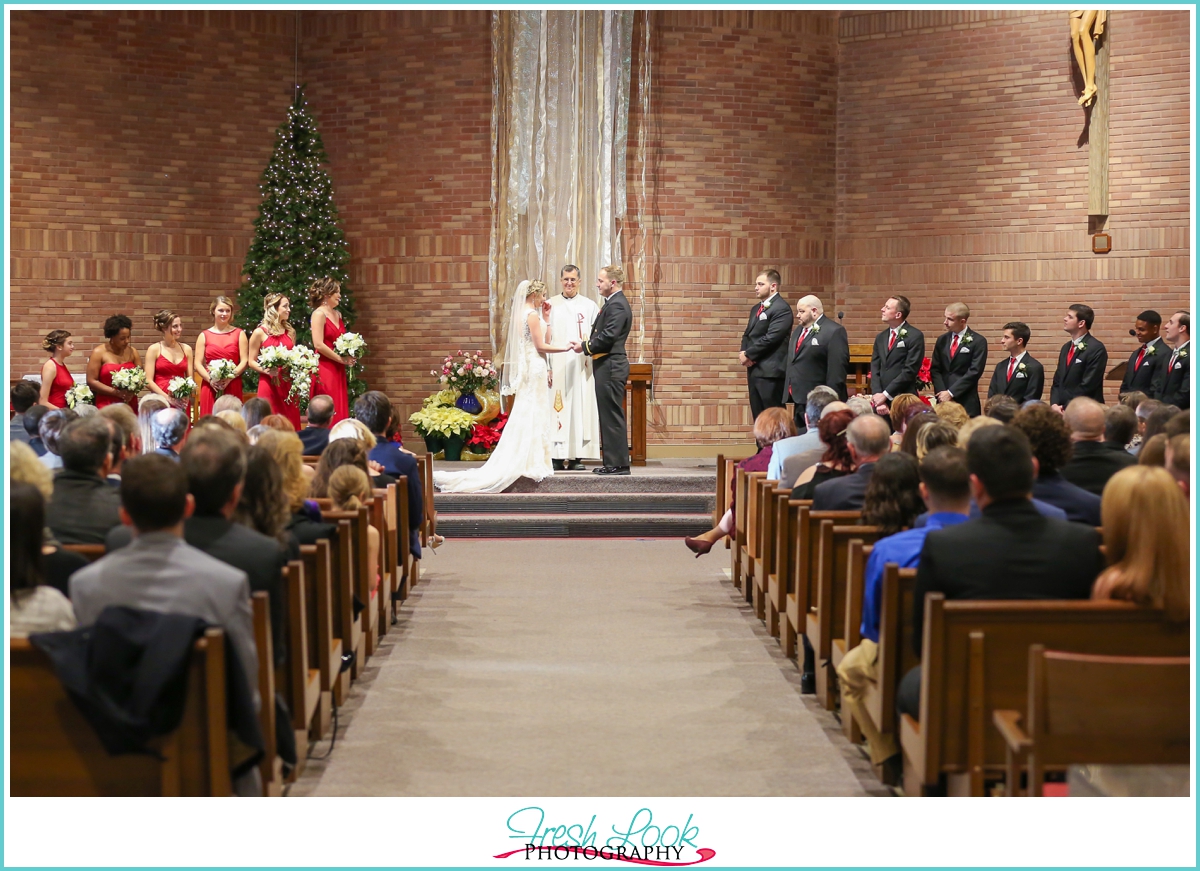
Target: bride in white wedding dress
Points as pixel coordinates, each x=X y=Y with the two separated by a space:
x=524 y=446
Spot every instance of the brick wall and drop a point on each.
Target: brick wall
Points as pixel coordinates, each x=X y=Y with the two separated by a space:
x=960 y=176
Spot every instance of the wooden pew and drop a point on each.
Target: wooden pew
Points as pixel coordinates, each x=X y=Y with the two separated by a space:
x=764 y=545
x=383 y=597
x=738 y=542
x=778 y=560
x=364 y=583
x=91 y=552
x=827 y=614
x=55 y=751
x=411 y=566
x=429 y=524
x=787 y=551
x=300 y=676
x=801 y=593
x=271 y=766
x=345 y=625
x=857 y=556
x=325 y=642
x=721 y=503
x=975 y=660
x=754 y=482
x=1097 y=710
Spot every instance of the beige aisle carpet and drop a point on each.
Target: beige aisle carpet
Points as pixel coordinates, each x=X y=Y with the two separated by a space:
x=579 y=667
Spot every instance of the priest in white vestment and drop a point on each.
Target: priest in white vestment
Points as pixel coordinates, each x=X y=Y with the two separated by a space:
x=573 y=394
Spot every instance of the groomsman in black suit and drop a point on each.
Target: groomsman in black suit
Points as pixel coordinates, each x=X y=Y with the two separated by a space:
x=1175 y=380
x=959 y=360
x=765 y=345
x=818 y=353
x=1145 y=363
x=897 y=356
x=1018 y=375
x=1081 y=361
x=606 y=347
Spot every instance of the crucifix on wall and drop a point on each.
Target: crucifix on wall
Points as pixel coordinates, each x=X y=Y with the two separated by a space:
x=1091 y=32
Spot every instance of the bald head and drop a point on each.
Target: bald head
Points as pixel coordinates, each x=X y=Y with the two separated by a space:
x=1085 y=417
x=869 y=437
x=320 y=411
x=809 y=309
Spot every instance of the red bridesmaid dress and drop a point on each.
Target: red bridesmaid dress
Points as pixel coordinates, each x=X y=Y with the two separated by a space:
x=275 y=390
x=330 y=378
x=220 y=346
x=63 y=381
x=106 y=376
x=165 y=371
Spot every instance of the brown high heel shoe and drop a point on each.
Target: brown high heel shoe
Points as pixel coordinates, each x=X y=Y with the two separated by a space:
x=698 y=546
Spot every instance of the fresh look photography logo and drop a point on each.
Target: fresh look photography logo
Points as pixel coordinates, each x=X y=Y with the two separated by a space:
x=642 y=841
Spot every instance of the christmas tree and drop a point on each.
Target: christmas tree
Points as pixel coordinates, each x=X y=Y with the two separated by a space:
x=296 y=235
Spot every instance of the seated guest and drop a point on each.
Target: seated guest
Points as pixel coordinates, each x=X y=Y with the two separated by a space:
x=860 y=405
x=771 y=425
x=315 y=436
x=868 y=440
x=836 y=462
x=375 y=410
x=1120 y=427
x=215 y=464
x=24 y=466
x=1051 y=442
x=254 y=410
x=1178 y=463
x=125 y=419
x=1092 y=462
x=305 y=522
x=22 y=396
x=349 y=490
x=50 y=426
x=1011 y=552
x=84 y=507
x=893 y=497
x=263 y=506
x=945 y=488
x=149 y=406
x=58 y=564
x=33 y=605
x=1143 y=410
x=169 y=428
x=953 y=413
x=233 y=419
x=227 y=402
x=256 y=432
x=32 y=420
x=1146 y=532
x=795 y=466
x=341 y=452
x=904 y=407
x=920 y=420
x=804 y=444
x=1154 y=451
x=935 y=435
x=1132 y=399
x=1158 y=419
x=1180 y=424
x=279 y=422
x=1002 y=407
x=116 y=448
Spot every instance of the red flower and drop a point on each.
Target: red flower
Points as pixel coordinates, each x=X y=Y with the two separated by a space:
x=924 y=377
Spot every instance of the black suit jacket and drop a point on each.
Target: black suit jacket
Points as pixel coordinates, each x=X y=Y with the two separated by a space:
x=843 y=494
x=1026 y=383
x=610 y=328
x=1086 y=374
x=1093 y=464
x=82 y=508
x=1175 y=384
x=822 y=359
x=961 y=375
x=765 y=340
x=315 y=439
x=260 y=557
x=895 y=372
x=1145 y=377
x=1010 y=552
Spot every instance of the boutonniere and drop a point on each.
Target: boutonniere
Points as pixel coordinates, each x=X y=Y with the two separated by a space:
x=1082 y=346
x=1153 y=349
x=903 y=332
x=967 y=339
x=1020 y=367
x=1183 y=353
x=816 y=328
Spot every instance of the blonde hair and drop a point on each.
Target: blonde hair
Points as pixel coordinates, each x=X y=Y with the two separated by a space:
x=959 y=309
x=221 y=300
x=227 y=402
x=953 y=413
x=615 y=273
x=935 y=435
x=272 y=324
x=163 y=320
x=1146 y=536
x=351 y=428
x=54 y=340
x=233 y=418
x=973 y=426
x=288 y=452
x=899 y=413
x=535 y=286
x=28 y=469
x=349 y=488
x=147 y=406
x=772 y=425
x=321 y=289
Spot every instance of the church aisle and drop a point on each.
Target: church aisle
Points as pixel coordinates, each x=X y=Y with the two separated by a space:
x=577 y=667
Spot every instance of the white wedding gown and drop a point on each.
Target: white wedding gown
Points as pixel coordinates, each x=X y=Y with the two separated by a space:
x=524 y=447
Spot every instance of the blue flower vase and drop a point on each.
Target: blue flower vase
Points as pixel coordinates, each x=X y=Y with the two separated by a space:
x=469 y=403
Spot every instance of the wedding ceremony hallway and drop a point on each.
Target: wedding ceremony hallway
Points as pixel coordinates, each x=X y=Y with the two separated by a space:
x=581 y=667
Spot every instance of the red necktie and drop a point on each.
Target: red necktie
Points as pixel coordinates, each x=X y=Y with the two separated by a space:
x=1141 y=357
x=757 y=313
x=800 y=341
x=1012 y=365
x=892 y=340
x=953 y=346
x=1070 y=353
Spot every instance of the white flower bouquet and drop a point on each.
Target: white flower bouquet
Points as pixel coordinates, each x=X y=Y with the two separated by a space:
x=181 y=388
x=221 y=370
x=302 y=364
x=274 y=357
x=80 y=394
x=131 y=380
x=350 y=345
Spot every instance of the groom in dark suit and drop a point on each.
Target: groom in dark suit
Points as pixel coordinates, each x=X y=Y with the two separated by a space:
x=897 y=356
x=818 y=354
x=1081 y=361
x=765 y=345
x=1018 y=375
x=959 y=360
x=606 y=347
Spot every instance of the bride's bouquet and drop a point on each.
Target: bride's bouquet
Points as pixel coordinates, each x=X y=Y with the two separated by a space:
x=131 y=380
x=275 y=357
x=222 y=370
x=302 y=364
x=80 y=394
x=350 y=345
x=181 y=388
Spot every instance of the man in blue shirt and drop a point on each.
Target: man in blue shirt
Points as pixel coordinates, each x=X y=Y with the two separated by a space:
x=819 y=397
x=375 y=410
x=945 y=487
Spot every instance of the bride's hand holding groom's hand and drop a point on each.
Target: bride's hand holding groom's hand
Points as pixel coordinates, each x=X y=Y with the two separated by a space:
x=575 y=346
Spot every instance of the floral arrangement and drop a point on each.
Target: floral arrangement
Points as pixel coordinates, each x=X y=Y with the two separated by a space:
x=924 y=376
x=302 y=364
x=80 y=394
x=274 y=357
x=468 y=372
x=350 y=345
x=131 y=380
x=485 y=436
x=181 y=388
x=221 y=370
x=441 y=420
x=442 y=397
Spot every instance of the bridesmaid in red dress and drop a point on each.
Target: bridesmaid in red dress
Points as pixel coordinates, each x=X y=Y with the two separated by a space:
x=324 y=294
x=116 y=353
x=222 y=341
x=168 y=359
x=274 y=330
x=56 y=379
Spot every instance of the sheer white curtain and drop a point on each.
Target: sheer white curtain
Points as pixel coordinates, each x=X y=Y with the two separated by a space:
x=560 y=116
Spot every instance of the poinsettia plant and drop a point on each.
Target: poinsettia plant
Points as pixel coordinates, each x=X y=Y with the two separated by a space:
x=485 y=436
x=925 y=377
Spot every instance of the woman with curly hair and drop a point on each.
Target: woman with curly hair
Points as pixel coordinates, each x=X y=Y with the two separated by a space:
x=1050 y=438
x=275 y=330
x=324 y=294
x=836 y=462
x=56 y=377
x=953 y=413
x=116 y=352
x=263 y=506
x=169 y=358
x=893 y=496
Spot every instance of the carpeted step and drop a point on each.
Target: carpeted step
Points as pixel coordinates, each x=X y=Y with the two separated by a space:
x=573 y=503
x=572 y=526
x=698 y=479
